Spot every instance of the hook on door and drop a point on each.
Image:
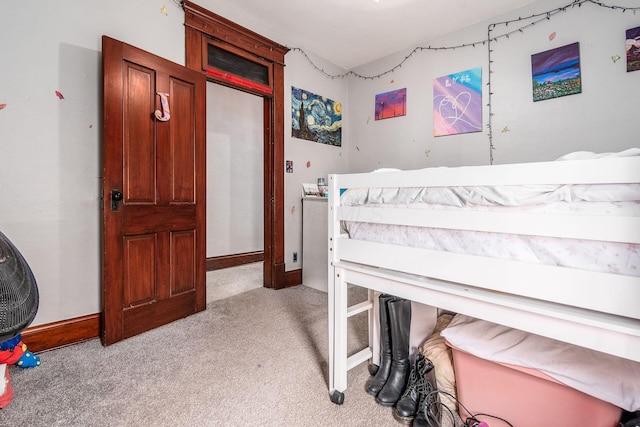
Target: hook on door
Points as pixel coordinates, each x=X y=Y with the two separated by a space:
x=165 y=114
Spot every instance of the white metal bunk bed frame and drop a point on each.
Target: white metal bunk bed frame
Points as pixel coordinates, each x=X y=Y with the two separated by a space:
x=596 y=310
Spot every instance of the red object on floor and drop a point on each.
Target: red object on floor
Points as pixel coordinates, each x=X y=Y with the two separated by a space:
x=5 y=399
x=9 y=357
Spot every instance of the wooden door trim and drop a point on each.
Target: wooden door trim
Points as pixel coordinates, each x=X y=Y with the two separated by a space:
x=207 y=22
x=199 y=21
x=112 y=126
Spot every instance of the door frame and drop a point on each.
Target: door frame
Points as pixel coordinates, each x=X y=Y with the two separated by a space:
x=201 y=24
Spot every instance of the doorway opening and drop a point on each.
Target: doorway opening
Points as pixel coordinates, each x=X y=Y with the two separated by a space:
x=210 y=37
x=235 y=211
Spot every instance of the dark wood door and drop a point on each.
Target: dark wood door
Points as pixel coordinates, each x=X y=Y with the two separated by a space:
x=154 y=248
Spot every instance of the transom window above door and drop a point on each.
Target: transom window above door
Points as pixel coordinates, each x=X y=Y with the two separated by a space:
x=229 y=64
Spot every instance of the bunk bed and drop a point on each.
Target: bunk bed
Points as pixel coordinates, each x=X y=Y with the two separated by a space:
x=549 y=248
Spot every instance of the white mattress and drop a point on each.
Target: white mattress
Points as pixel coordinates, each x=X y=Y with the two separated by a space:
x=620 y=200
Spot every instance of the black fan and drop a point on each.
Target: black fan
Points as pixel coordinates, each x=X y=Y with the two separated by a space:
x=18 y=291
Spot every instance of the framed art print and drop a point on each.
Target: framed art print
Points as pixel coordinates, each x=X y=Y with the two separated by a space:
x=391 y=104
x=633 y=49
x=556 y=72
x=457 y=103
x=315 y=118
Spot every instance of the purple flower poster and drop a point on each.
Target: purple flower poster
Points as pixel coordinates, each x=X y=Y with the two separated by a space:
x=556 y=72
x=457 y=103
x=633 y=49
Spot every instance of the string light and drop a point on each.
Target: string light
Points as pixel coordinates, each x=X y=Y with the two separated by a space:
x=521 y=24
x=529 y=22
x=539 y=17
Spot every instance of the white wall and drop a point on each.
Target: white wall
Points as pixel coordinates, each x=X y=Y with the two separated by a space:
x=235 y=202
x=50 y=147
x=599 y=119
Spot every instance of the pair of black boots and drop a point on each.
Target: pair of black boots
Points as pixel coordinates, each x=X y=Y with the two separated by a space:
x=419 y=405
x=390 y=379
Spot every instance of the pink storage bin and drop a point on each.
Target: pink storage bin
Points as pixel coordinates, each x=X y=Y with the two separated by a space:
x=525 y=397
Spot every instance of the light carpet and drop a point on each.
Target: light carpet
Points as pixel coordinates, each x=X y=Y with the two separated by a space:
x=258 y=358
x=231 y=281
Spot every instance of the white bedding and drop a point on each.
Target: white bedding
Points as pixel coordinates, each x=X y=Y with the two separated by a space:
x=606 y=199
x=505 y=195
x=525 y=195
x=619 y=258
x=603 y=376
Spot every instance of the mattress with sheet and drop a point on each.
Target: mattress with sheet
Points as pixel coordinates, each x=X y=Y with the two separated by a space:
x=580 y=199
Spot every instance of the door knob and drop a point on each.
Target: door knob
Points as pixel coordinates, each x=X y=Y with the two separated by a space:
x=116 y=197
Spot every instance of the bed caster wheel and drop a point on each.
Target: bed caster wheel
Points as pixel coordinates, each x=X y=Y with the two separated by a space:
x=373 y=369
x=337 y=397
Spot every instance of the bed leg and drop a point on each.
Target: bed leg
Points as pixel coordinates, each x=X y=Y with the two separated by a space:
x=337 y=294
x=374 y=331
x=337 y=397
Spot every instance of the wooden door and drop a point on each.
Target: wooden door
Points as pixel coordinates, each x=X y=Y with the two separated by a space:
x=154 y=247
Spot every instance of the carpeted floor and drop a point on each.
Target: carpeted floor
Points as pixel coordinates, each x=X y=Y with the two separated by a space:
x=231 y=281
x=258 y=358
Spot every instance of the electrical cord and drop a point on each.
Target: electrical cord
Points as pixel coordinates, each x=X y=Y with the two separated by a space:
x=471 y=421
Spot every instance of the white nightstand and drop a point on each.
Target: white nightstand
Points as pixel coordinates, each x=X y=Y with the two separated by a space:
x=314 y=242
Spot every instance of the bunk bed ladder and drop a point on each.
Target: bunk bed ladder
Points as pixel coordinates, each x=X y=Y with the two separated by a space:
x=339 y=313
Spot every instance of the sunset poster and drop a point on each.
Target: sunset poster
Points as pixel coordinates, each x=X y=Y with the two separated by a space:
x=391 y=104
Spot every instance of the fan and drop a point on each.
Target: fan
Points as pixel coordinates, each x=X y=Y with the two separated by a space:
x=18 y=291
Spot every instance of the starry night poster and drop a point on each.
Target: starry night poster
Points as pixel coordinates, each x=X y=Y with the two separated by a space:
x=315 y=118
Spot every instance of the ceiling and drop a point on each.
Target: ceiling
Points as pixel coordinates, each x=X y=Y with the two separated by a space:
x=350 y=33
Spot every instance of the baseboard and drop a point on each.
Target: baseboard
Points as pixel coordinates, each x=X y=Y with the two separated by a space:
x=226 y=261
x=293 y=278
x=62 y=333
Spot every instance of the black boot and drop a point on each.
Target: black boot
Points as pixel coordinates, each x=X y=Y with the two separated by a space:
x=429 y=411
x=417 y=387
x=400 y=324
x=384 y=368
